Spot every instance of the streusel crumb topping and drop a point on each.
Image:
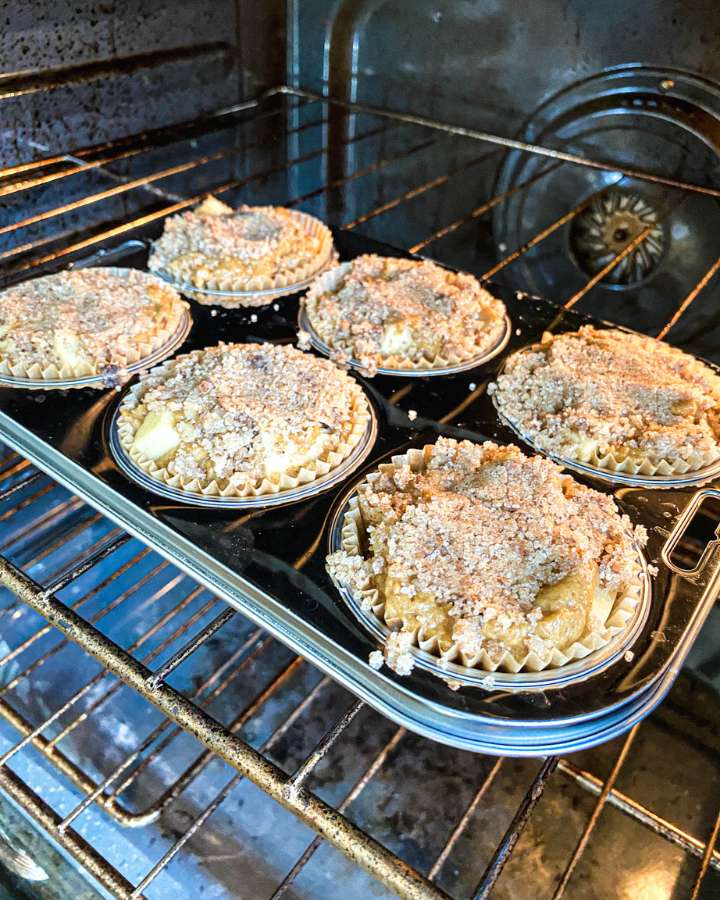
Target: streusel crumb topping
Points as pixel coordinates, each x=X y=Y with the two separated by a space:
x=87 y=318
x=624 y=391
x=385 y=307
x=496 y=541
x=215 y=242
x=245 y=412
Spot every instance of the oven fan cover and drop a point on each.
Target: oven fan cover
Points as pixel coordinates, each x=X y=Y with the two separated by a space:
x=659 y=121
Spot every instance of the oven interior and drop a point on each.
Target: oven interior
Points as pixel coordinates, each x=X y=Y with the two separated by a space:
x=570 y=149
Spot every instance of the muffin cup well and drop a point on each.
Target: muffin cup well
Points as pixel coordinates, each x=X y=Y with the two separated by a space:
x=320 y=472
x=589 y=457
x=97 y=373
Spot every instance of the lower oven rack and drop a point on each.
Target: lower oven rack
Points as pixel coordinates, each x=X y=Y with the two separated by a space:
x=22 y=485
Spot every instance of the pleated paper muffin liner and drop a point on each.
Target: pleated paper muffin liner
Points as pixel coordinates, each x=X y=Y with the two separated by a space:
x=92 y=373
x=593 y=454
x=233 y=292
x=625 y=606
x=322 y=339
x=328 y=458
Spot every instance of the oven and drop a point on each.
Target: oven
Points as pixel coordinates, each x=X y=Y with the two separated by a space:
x=166 y=730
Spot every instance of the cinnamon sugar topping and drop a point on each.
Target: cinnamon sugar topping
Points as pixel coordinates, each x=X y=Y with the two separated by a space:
x=626 y=393
x=380 y=309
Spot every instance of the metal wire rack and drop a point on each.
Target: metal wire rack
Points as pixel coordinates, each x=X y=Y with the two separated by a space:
x=123 y=617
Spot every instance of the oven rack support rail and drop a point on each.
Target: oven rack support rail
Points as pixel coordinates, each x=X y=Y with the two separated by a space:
x=291 y=791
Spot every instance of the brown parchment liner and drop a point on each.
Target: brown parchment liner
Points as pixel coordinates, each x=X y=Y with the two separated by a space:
x=327 y=458
x=285 y=282
x=593 y=453
x=352 y=538
x=94 y=367
x=328 y=282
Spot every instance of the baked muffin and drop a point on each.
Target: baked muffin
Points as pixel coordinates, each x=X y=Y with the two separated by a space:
x=242 y=420
x=488 y=558
x=616 y=401
x=403 y=314
x=253 y=248
x=87 y=322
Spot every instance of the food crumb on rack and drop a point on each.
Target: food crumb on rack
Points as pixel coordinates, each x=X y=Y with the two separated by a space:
x=303 y=339
x=488 y=682
x=629 y=656
x=453 y=685
x=376 y=660
x=653 y=570
x=412 y=414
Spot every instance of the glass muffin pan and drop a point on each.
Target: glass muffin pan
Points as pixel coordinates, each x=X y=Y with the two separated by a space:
x=269 y=563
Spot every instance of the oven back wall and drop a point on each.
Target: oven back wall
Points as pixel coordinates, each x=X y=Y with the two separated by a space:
x=489 y=63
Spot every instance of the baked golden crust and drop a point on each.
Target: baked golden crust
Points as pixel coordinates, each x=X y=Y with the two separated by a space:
x=252 y=248
x=480 y=554
x=403 y=313
x=619 y=401
x=241 y=420
x=80 y=323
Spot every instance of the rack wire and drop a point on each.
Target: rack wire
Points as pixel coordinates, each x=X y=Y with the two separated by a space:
x=173 y=623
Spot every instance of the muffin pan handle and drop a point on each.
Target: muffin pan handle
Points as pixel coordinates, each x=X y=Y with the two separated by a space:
x=681 y=527
x=105 y=256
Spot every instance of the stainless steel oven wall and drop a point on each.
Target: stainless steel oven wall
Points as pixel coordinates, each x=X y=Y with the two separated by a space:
x=79 y=74
x=489 y=63
x=632 y=84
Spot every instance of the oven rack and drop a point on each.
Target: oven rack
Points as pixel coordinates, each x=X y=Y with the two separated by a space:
x=18 y=478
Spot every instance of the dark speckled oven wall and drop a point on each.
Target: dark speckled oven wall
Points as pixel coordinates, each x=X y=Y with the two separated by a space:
x=79 y=73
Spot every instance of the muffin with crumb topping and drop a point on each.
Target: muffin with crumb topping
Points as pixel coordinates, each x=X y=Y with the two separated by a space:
x=488 y=558
x=267 y=249
x=242 y=420
x=614 y=400
x=84 y=323
x=404 y=314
